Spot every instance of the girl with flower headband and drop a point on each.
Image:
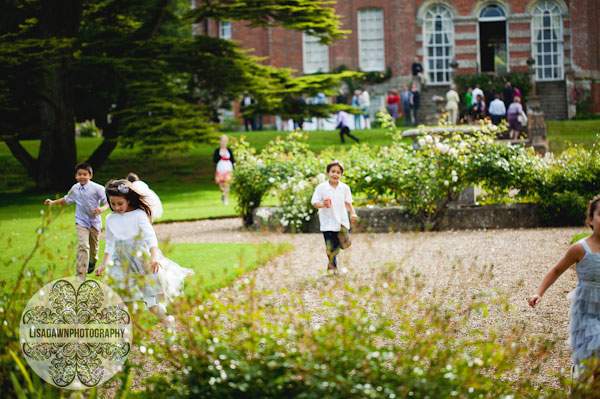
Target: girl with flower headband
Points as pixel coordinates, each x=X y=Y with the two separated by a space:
x=133 y=255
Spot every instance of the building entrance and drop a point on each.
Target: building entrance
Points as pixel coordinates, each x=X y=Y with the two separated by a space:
x=493 y=55
x=492 y=46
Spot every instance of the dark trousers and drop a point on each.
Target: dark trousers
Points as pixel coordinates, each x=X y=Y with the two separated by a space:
x=332 y=246
x=415 y=116
x=406 y=112
x=496 y=119
x=249 y=121
x=345 y=130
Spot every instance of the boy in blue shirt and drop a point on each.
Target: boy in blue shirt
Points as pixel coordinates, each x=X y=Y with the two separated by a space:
x=87 y=196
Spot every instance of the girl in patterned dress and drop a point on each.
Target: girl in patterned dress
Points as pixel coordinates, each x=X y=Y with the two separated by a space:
x=584 y=325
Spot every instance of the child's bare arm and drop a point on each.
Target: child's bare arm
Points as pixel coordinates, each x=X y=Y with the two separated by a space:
x=353 y=215
x=101 y=209
x=60 y=201
x=100 y=269
x=154 y=262
x=573 y=254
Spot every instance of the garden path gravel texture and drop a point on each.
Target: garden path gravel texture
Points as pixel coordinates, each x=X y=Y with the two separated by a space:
x=450 y=265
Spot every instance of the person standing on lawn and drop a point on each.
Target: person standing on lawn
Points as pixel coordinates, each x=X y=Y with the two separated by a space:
x=223 y=157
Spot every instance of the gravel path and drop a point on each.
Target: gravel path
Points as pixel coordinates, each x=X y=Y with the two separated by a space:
x=450 y=265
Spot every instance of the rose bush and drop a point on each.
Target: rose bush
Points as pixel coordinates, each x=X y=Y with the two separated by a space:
x=422 y=181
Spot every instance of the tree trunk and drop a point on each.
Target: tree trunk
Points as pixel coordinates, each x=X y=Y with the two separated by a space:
x=58 y=153
x=101 y=154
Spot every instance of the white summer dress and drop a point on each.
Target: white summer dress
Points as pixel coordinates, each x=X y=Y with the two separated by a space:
x=129 y=237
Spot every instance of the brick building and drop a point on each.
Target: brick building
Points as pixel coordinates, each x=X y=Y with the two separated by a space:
x=485 y=36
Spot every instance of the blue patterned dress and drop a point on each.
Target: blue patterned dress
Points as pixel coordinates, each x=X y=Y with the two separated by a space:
x=584 y=325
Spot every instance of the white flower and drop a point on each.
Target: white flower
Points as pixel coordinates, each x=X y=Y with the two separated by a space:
x=429 y=139
x=421 y=142
x=443 y=148
x=271 y=180
x=446 y=183
x=379 y=176
x=368 y=179
x=454 y=178
x=453 y=152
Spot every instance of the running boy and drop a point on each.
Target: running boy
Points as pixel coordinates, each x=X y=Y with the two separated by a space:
x=333 y=199
x=87 y=196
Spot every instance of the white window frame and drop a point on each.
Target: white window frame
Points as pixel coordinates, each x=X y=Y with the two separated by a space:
x=371 y=41
x=430 y=41
x=315 y=55
x=494 y=18
x=549 y=65
x=225 y=30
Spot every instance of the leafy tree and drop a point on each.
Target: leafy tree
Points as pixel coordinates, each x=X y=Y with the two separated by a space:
x=135 y=67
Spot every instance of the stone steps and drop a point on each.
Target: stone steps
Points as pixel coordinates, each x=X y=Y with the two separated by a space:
x=553 y=99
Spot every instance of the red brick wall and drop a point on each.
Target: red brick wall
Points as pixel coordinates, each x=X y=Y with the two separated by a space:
x=401 y=34
x=585 y=15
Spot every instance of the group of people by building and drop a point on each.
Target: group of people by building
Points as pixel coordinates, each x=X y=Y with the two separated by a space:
x=506 y=105
x=409 y=100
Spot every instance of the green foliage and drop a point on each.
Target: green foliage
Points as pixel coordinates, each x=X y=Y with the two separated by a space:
x=314 y=17
x=381 y=337
x=582 y=98
x=373 y=339
x=567 y=183
x=139 y=62
x=425 y=181
x=287 y=168
x=88 y=129
x=363 y=78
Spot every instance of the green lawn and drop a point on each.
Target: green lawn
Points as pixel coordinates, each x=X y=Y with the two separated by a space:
x=215 y=264
x=218 y=264
x=184 y=183
x=560 y=133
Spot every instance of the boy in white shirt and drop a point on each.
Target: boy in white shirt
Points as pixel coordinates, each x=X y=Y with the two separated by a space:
x=333 y=199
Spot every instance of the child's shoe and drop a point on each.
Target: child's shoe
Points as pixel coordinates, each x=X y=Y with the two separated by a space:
x=91 y=267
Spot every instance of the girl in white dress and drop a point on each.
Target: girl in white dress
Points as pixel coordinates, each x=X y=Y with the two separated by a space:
x=132 y=252
x=223 y=157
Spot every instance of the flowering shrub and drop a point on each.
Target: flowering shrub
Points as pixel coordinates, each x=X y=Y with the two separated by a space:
x=581 y=98
x=87 y=128
x=566 y=183
x=285 y=168
x=422 y=181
